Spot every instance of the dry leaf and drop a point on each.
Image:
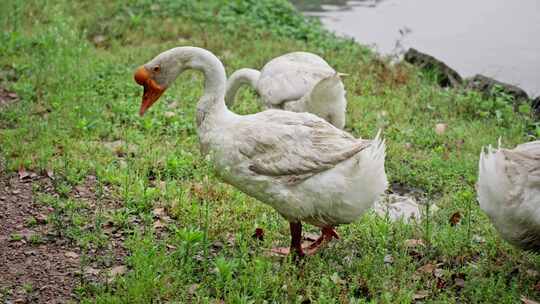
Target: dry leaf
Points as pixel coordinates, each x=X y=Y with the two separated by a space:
x=441 y=283
x=455 y=218
x=23 y=173
x=459 y=282
x=528 y=301
x=422 y=294
x=259 y=234
x=428 y=268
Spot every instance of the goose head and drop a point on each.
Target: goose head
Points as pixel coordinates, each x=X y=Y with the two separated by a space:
x=157 y=74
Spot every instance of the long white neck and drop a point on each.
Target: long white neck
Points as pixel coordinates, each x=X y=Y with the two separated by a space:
x=212 y=103
x=237 y=79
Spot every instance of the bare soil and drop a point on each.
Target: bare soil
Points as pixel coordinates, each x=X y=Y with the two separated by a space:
x=34 y=267
x=37 y=264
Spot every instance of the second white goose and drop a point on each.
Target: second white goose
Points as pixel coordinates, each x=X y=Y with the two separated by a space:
x=298 y=82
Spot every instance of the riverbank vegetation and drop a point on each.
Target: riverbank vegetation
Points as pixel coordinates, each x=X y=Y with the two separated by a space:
x=187 y=237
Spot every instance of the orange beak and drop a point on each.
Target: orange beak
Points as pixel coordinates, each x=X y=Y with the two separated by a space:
x=152 y=91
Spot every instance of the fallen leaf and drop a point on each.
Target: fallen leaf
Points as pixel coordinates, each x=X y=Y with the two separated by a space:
x=422 y=294
x=428 y=268
x=259 y=234
x=23 y=173
x=459 y=282
x=455 y=218
x=527 y=301
x=441 y=283
x=71 y=254
x=388 y=259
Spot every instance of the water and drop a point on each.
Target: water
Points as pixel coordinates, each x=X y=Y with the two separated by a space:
x=497 y=38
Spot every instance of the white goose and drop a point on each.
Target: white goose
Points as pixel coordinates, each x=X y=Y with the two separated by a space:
x=298 y=82
x=509 y=192
x=299 y=164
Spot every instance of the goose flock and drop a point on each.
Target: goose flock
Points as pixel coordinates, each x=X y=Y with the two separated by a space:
x=295 y=157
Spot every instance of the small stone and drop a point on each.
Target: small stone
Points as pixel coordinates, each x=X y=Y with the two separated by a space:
x=459 y=282
x=217 y=244
x=169 y=114
x=71 y=254
x=99 y=39
x=91 y=271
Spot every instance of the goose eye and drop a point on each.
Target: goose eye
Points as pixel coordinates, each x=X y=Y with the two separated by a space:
x=156 y=68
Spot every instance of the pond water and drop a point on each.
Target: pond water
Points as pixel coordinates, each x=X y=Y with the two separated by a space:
x=497 y=38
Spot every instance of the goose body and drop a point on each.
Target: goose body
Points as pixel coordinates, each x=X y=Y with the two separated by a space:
x=305 y=168
x=299 y=82
x=509 y=192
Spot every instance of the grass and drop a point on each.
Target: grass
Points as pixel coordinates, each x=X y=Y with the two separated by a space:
x=74 y=63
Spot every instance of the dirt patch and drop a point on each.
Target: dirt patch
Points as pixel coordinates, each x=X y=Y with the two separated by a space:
x=38 y=264
x=7 y=97
x=34 y=268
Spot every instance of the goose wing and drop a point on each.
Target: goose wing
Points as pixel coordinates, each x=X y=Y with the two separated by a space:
x=523 y=168
x=296 y=145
